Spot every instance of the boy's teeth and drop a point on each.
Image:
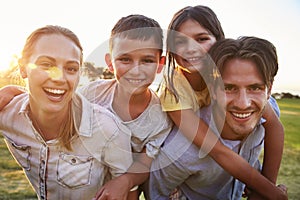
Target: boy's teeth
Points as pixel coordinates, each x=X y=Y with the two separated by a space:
x=55 y=91
x=134 y=81
x=244 y=115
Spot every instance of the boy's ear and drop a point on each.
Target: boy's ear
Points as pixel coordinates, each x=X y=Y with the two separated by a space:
x=162 y=62
x=108 y=62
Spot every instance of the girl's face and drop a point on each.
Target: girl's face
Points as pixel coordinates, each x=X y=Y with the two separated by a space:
x=52 y=72
x=191 y=45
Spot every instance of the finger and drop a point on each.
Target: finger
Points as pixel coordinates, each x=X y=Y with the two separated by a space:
x=282 y=187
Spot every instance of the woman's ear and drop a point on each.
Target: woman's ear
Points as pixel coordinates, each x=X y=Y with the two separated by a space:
x=108 y=62
x=162 y=62
x=23 y=71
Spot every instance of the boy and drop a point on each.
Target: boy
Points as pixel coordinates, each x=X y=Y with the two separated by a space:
x=135 y=44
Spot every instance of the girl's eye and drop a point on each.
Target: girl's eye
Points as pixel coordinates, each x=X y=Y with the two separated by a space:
x=202 y=39
x=148 y=61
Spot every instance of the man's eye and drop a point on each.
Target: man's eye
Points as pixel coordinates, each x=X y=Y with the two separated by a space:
x=229 y=88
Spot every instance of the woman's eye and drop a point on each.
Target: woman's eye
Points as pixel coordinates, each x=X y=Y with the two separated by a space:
x=45 y=64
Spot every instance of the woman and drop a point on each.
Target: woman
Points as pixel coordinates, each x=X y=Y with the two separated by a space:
x=66 y=146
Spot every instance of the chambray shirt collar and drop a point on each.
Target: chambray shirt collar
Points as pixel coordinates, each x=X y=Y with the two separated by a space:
x=86 y=122
x=85 y=128
x=25 y=104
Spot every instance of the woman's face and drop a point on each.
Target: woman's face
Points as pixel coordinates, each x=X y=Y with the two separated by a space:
x=191 y=45
x=53 y=72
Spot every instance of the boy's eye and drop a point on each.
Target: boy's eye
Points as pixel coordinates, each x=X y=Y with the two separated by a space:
x=72 y=69
x=124 y=60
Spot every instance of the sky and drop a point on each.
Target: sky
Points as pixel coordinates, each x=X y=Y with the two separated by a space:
x=92 y=20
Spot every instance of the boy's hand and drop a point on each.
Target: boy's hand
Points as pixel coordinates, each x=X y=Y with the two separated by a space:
x=7 y=93
x=116 y=189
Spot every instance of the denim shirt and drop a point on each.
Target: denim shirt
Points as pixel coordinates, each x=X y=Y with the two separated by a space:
x=101 y=151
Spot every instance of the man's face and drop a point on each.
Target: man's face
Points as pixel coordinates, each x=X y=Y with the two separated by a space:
x=246 y=95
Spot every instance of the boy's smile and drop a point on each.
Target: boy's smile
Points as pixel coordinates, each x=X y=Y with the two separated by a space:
x=134 y=63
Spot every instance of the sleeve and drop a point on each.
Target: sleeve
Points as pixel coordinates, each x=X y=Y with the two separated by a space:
x=117 y=154
x=165 y=176
x=275 y=107
x=160 y=128
x=187 y=96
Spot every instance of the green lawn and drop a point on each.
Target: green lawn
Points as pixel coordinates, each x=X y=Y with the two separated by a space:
x=13 y=184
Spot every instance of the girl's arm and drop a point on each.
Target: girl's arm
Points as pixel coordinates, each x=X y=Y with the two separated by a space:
x=274 y=141
x=7 y=93
x=196 y=130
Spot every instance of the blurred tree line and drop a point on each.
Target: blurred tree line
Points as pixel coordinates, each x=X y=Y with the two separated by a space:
x=88 y=73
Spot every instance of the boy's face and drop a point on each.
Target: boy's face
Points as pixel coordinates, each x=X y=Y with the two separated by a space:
x=246 y=95
x=134 y=63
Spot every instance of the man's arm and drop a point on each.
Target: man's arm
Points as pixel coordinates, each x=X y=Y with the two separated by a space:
x=7 y=93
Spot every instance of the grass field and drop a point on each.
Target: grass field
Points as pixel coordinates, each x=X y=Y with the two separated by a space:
x=14 y=185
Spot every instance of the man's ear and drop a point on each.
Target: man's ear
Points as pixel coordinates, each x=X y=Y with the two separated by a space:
x=270 y=90
x=162 y=62
x=108 y=62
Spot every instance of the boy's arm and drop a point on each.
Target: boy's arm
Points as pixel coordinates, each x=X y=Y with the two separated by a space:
x=7 y=93
x=196 y=130
x=125 y=186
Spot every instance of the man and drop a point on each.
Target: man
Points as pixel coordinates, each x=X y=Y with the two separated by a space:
x=247 y=66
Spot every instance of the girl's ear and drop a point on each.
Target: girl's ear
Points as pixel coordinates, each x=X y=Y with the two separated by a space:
x=162 y=62
x=108 y=62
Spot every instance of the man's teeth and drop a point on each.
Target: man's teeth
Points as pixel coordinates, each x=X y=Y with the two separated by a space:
x=192 y=59
x=241 y=115
x=55 y=91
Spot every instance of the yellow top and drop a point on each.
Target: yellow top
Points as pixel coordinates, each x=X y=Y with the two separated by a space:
x=188 y=98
